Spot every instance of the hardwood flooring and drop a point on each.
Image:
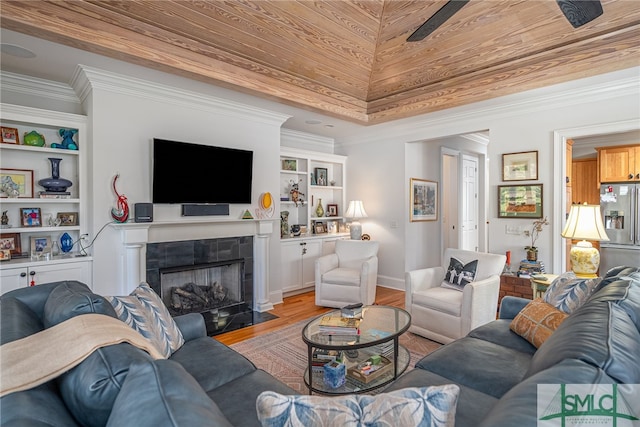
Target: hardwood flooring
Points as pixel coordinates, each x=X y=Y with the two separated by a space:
x=297 y=307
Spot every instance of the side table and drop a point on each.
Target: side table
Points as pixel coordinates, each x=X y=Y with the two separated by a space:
x=539 y=285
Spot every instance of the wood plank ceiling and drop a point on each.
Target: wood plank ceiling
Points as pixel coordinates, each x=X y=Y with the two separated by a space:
x=348 y=59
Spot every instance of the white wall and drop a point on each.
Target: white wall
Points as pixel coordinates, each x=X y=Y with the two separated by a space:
x=383 y=157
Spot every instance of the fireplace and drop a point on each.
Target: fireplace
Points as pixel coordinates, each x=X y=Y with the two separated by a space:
x=222 y=271
x=202 y=287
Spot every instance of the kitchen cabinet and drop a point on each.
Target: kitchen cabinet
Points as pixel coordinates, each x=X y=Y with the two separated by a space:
x=20 y=275
x=619 y=163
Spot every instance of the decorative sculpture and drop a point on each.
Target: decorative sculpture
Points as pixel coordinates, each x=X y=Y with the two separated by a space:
x=295 y=193
x=67 y=139
x=121 y=212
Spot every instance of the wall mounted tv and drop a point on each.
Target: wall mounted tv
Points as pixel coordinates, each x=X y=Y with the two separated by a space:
x=196 y=173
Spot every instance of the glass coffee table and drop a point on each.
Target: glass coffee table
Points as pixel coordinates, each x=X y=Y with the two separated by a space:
x=379 y=330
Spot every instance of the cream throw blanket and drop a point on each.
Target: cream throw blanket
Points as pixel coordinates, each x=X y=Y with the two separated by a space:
x=40 y=357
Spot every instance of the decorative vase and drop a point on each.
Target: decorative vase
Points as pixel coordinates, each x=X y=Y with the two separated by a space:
x=66 y=243
x=55 y=184
x=319 y=209
x=532 y=254
x=33 y=139
x=284 y=223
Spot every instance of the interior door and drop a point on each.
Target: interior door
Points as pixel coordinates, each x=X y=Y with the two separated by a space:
x=469 y=209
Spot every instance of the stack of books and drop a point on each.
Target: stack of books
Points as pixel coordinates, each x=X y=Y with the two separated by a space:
x=55 y=194
x=530 y=268
x=321 y=357
x=338 y=325
x=385 y=348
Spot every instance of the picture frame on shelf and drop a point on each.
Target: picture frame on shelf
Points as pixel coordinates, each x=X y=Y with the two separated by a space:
x=5 y=255
x=332 y=209
x=290 y=165
x=319 y=228
x=10 y=135
x=30 y=217
x=332 y=227
x=521 y=166
x=16 y=183
x=40 y=245
x=11 y=242
x=423 y=198
x=322 y=176
x=67 y=219
x=520 y=201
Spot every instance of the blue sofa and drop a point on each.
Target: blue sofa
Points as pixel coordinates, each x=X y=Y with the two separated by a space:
x=499 y=372
x=202 y=383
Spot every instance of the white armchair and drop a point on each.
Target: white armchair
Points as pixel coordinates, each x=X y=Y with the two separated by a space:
x=349 y=275
x=443 y=314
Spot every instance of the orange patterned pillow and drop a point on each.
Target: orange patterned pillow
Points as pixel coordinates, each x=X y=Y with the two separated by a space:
x=537 y=321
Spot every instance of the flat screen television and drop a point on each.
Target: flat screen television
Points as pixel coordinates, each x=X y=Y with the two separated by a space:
x=195 y=173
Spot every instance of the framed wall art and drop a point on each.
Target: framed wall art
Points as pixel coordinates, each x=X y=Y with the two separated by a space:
x=30 y=217
x=16 y=183
x=423 y=199
x=12 y=243
x=10 y=135
x=520 y=166
x=520 y=201
x=67 y=218
x=289 y=165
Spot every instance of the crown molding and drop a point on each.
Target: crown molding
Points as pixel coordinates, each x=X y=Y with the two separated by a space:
x=33 y=86
x=87 y=79
x=307 y=141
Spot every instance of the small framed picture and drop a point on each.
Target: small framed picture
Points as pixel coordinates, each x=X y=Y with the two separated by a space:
x=289 y=165
x=67 y=218
x=423 y=199
x=12 y=243
x=332 y=210
x=31 y=217
x=520 y=201
x=16 y=183
x=10 y=135
x=520 y=166
x=332 y=227
x=40 y=245
x=319 y=228
x=5 y=254
x=321 y=176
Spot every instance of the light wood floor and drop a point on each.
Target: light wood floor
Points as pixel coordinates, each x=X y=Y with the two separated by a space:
x=298 y=307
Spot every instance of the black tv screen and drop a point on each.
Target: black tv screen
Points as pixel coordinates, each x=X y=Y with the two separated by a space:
x=196 y=173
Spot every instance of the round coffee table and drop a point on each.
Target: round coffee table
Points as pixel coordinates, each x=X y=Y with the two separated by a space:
x=379 y=330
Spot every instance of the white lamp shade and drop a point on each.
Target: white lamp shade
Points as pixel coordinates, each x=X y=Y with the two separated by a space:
x=585 y=223
x=356 y=210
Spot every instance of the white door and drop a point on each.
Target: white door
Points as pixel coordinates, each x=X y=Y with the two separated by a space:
x=469 y=211
x=449 y=199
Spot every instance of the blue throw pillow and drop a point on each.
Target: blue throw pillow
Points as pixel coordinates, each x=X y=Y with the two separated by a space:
x=458 y=275
x=421 y=407
x=568 y=292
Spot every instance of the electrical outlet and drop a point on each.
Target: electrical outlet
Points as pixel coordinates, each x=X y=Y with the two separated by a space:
x=394 y=224
x=512 y=229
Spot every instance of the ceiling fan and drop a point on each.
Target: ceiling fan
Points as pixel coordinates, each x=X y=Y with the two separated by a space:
x=577 y=12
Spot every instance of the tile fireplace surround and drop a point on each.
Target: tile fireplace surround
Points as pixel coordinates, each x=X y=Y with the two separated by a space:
x=134 y=238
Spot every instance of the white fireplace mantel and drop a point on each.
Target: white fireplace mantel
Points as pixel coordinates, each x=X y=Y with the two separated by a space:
x=134 y=237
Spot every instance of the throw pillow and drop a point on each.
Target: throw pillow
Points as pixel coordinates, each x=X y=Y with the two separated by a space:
x=70 y=299
x=145 y=312
x=458 y=275
x=537 y=321
x=568 y=292
x=424 y=406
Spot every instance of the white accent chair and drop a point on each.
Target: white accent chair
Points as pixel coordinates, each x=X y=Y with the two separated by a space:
x=349 y=275
x=443 y=314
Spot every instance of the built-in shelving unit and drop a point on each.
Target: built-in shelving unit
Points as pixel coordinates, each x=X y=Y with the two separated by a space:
x=30 y=267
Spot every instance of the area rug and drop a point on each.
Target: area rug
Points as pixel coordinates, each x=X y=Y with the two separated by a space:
x=283 y=354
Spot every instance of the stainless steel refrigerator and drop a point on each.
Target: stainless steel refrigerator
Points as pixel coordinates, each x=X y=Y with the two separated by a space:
x=620 y=207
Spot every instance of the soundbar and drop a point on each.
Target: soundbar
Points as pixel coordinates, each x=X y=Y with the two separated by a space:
x=205 y=210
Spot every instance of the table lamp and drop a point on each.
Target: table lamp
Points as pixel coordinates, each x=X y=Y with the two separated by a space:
x=356 y=211
x=585 y=223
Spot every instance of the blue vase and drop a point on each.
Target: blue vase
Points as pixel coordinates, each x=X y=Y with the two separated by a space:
x=55 y=184
x=66 y=243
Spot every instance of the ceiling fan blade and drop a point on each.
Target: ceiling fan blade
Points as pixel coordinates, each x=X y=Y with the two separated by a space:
x=579 y=12
x=438 y=18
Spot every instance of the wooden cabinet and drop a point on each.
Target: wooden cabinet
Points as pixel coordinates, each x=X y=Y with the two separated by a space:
x=28 y=274
x=32 y=164
x=585 y=182
x=619 y=164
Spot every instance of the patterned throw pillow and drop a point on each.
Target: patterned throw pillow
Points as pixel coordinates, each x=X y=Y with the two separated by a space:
x=424 y=406
x=459 y=275
x=537 y=321
x=568 y=292
x=145 y=312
